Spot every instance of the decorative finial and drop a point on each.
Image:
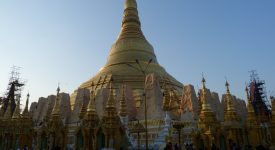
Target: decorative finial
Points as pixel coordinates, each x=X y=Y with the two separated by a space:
x=56 y=108
x=130 y=4
x=25 y=112
x=227 y=87
x=226 y=84
x=203 y=80
x=203 y=85
x=58 y=89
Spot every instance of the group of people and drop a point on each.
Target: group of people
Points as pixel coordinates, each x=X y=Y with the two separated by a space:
x=169 y=146
x=25 y=148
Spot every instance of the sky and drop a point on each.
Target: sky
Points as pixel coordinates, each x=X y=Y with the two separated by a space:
x=68 y=41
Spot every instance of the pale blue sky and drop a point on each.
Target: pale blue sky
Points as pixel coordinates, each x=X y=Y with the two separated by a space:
x=67 y=41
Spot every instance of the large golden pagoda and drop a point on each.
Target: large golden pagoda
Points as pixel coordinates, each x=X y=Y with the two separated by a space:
x=131 y=45
x=109 y=115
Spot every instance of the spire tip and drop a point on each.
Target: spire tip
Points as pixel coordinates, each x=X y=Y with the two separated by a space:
x=130 y=4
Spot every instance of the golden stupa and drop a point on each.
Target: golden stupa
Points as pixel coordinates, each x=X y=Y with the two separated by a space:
x=130 y=46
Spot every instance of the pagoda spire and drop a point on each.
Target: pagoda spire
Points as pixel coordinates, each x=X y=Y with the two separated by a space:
x=230 y=113
x=130 y=52
x=207 y=118
x=110 y=108
x=203 y=85
x=110 y=105
x=83 y=107
x=91 y=109
x=123 y=106
x=229 y=102
x=110 y=119
x=25 y=112
x=56 y=108
x=16 y=113
x=205 y=104
x=130 y=4
x=131 y=26
x=131 y=43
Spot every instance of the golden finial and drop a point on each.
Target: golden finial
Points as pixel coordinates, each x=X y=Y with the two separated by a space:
x=227 y=87
x=58 y=89
x=123 y=106
x=16 y=113
x=130 y=4
x=56 y=108
x=203 y=85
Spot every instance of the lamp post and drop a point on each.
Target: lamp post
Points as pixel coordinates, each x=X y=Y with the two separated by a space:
x=143 y=71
